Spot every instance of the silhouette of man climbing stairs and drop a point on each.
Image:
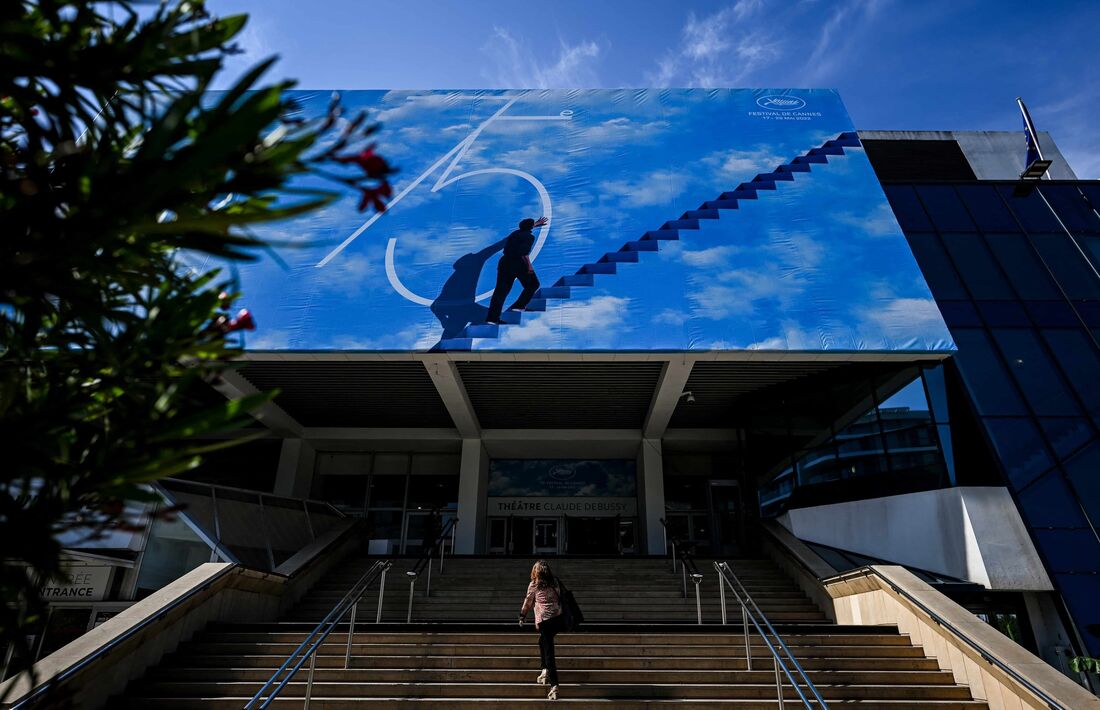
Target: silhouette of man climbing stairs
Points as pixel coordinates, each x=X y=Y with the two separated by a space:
x=629 y=253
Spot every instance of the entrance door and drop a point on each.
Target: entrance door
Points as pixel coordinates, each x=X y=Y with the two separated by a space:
x=546 y=536
x=726 y=517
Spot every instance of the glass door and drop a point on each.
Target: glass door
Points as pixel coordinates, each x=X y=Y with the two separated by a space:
x=726 y=518
x=546 y=536
x=498 y=536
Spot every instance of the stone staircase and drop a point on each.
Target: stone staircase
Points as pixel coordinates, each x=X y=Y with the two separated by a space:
x=615 y=590
x=630 y=252
x=640 y=647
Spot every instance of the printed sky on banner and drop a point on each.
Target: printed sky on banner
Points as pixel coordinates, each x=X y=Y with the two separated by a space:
x=679 y=220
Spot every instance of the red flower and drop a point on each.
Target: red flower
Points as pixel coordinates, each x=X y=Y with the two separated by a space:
x=373 y=196
x=374 y=165
x=243 y=321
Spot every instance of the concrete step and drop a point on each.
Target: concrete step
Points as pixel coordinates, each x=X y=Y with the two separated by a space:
x=531 y=662
x=765 y=674
x=733 y=638
x=564 y=650
x=604 y=691
x=565 y=700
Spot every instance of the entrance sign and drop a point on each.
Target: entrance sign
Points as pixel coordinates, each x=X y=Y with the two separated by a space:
x=80 y=583
x=578 y=507
x=725 y=219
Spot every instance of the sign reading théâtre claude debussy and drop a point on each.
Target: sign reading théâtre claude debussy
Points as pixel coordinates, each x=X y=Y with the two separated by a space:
x=586 y=507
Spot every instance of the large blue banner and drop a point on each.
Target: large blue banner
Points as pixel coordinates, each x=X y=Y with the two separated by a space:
x=675 y=220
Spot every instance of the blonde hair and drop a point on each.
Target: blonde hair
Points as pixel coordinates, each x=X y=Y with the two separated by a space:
x=541 y=574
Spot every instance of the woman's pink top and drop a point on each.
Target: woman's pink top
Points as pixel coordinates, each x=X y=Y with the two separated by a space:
x=545 y=600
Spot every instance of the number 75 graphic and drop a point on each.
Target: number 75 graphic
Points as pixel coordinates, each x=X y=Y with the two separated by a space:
x=455 y=156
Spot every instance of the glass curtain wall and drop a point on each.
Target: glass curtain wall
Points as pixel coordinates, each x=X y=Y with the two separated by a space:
x=902 y=444
x=1017 y=277
x=405 y=497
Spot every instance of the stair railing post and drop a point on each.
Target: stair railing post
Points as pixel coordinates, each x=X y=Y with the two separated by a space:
x=722 y=597
x=351 y=635
x=697 y=579
x=428 y=588
x=778 y=681
x=442 y=553
x=745 y=630
x=381 y=592
x=309 y=681
x=674 y=557
x=412 y=587
x=684 y=575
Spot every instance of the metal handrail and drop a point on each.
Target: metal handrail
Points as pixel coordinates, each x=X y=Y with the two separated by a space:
x=750 y=612
x=686 y=562
x=1051 y=702
x=425 y=561
x=349 y=602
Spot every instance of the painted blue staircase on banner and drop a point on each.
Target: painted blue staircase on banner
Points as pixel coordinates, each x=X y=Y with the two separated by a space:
x=650 y=241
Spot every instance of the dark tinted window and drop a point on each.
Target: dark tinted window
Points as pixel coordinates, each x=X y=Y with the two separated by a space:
x=1035 y=373
x=907 y=208
x=1072 y=207
x=1021 y=263
x=1083 y=471
x=985 y=377
x=959 y=314
x=1049 y=502
x=1030 y=209
x=1020 y=449
x=1052 y=314
x=1003 y=314
x=1065 y=434
x=1070 y=268
x=975 y=263
x=987 y=208
x=945 y=208
x=936 y=267
x=1077 y=355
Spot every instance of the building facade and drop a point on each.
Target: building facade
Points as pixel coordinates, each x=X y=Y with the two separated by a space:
x=748 y=311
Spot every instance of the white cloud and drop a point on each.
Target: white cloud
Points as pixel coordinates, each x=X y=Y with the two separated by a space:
x=838 y=36
x=655 y=188
x=515 y=65
x=716 y=49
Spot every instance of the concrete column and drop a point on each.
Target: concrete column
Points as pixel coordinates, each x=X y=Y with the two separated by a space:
x=651 y=490
x=294 y=477
x=473 y=487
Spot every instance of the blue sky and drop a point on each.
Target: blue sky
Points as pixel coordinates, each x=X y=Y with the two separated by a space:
x=897 y=64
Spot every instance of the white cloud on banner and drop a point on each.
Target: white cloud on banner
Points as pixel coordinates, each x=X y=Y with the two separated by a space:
x=742 y=165
x=904 y=319
x=658 y=187
x=600 y=319
x=879 y=222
